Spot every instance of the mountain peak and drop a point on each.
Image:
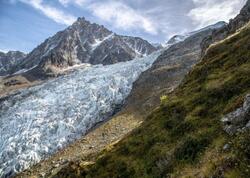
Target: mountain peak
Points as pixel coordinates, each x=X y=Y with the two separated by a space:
x=81 y=21
x=15 y=53
x=84 y=42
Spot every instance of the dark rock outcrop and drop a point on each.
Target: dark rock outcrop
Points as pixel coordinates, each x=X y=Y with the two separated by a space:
x=234 y=24
x=13 y=82
x=238 y=120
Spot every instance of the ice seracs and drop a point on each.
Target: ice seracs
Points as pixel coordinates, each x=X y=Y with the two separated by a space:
x=38 y=121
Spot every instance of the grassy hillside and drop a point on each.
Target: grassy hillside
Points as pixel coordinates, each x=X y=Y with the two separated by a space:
x=184 y=136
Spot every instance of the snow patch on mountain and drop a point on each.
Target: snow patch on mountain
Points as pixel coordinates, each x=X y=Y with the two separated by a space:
x=138 y=50
x=175 y=39
x=37 y=122
x=179 y=38
x=98 y=42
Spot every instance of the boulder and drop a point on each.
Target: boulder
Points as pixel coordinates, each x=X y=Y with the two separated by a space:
x=239 y=119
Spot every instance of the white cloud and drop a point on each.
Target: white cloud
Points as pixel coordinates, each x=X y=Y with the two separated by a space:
x=208 y=12
x=159 y=19
x=122 y=16
x=77 y=2
x=117 y=13
x=64 y=2
x=53 y=13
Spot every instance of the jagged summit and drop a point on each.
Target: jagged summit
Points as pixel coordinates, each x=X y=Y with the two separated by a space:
x=83 y=42
x=81 y=19
x=82 y=24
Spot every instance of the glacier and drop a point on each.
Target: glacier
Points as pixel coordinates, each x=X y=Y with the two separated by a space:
x=38 y=121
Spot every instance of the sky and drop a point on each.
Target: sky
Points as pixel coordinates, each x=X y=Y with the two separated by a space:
x=24 y=24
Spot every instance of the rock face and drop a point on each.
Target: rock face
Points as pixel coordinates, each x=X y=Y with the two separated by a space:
x=166 y=73
x=84 y=42
x=239 y=119
x=234 y=24
x=9 y=60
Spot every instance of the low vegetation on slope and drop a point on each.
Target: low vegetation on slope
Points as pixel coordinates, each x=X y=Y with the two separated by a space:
x=184 y=137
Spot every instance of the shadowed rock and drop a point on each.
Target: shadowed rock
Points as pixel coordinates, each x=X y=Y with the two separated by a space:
x=239 y=119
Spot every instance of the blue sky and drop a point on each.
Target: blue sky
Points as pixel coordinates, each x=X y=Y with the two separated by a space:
x=24 y=24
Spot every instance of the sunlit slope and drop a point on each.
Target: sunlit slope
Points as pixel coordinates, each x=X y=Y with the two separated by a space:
x=184 y=137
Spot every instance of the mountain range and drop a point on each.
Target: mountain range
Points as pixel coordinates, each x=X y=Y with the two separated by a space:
x=90 y=103
x=9 y=60
x=166 y=73
x=82 y=42
x=200 y=128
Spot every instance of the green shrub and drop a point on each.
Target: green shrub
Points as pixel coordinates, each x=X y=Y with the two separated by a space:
x=182 y=128
x=164 y=99
x=191 y=147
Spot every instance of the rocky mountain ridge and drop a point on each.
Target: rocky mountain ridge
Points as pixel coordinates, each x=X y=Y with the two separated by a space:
x=179 y=38
x=83 y=42
x=234 y=24
x=9 y=60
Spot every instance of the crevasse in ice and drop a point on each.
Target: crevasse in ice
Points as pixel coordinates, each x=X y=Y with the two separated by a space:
x=38 y=121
